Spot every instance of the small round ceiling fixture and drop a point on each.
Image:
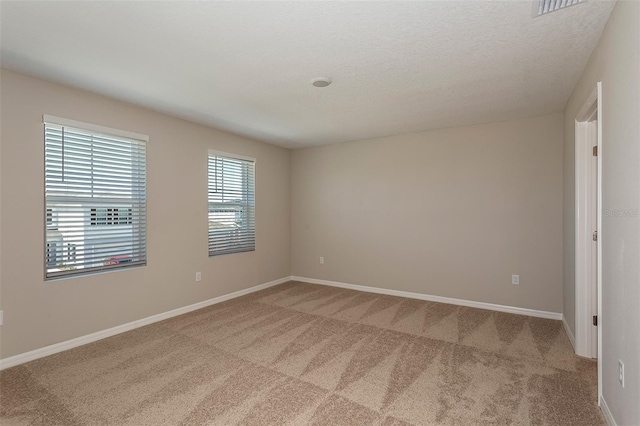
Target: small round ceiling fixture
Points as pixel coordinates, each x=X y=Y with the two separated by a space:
x=321 y=82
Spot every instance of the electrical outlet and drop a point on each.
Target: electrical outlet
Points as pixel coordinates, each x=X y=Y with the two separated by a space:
x=321 y=260
x=515 y=279
x=621 y=372
x=198 y=276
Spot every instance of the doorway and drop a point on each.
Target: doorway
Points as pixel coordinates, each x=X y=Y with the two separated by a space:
x=588 y=245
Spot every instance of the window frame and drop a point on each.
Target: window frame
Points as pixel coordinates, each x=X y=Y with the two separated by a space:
x=251 y=203
x=51 y=216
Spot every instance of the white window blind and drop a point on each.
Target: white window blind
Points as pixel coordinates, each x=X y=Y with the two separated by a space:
x=542 y=7
x=95 y=193
x=231 y=196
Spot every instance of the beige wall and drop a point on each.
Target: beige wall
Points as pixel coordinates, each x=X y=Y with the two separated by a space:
x=451 y=212
x=615 y=62
x=1 y=238
x=39 y=313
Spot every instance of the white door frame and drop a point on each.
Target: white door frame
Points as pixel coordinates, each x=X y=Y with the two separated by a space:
x=584 y=223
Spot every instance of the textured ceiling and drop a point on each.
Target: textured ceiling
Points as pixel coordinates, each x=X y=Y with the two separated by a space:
x=396 y=67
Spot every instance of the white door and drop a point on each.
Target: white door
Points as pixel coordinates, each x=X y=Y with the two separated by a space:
x=593 y=224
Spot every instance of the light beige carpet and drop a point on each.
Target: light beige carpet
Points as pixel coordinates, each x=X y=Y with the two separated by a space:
x=307 y=354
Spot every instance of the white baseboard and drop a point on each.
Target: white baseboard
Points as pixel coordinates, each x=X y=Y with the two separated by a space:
x=572 y=339
x=83 y=340
x=607 y=413
x=441 y=299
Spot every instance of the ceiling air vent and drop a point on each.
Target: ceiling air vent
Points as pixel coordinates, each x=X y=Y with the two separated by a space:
x=542 y=7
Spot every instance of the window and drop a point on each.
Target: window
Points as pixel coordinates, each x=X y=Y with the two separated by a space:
x=111 y=216
x=95 y=196
x=50 y=224
x=231 y=196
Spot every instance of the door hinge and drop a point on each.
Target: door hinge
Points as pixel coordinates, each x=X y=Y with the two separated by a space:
x=595 y=151
x=595 y=320
x=595 y=236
